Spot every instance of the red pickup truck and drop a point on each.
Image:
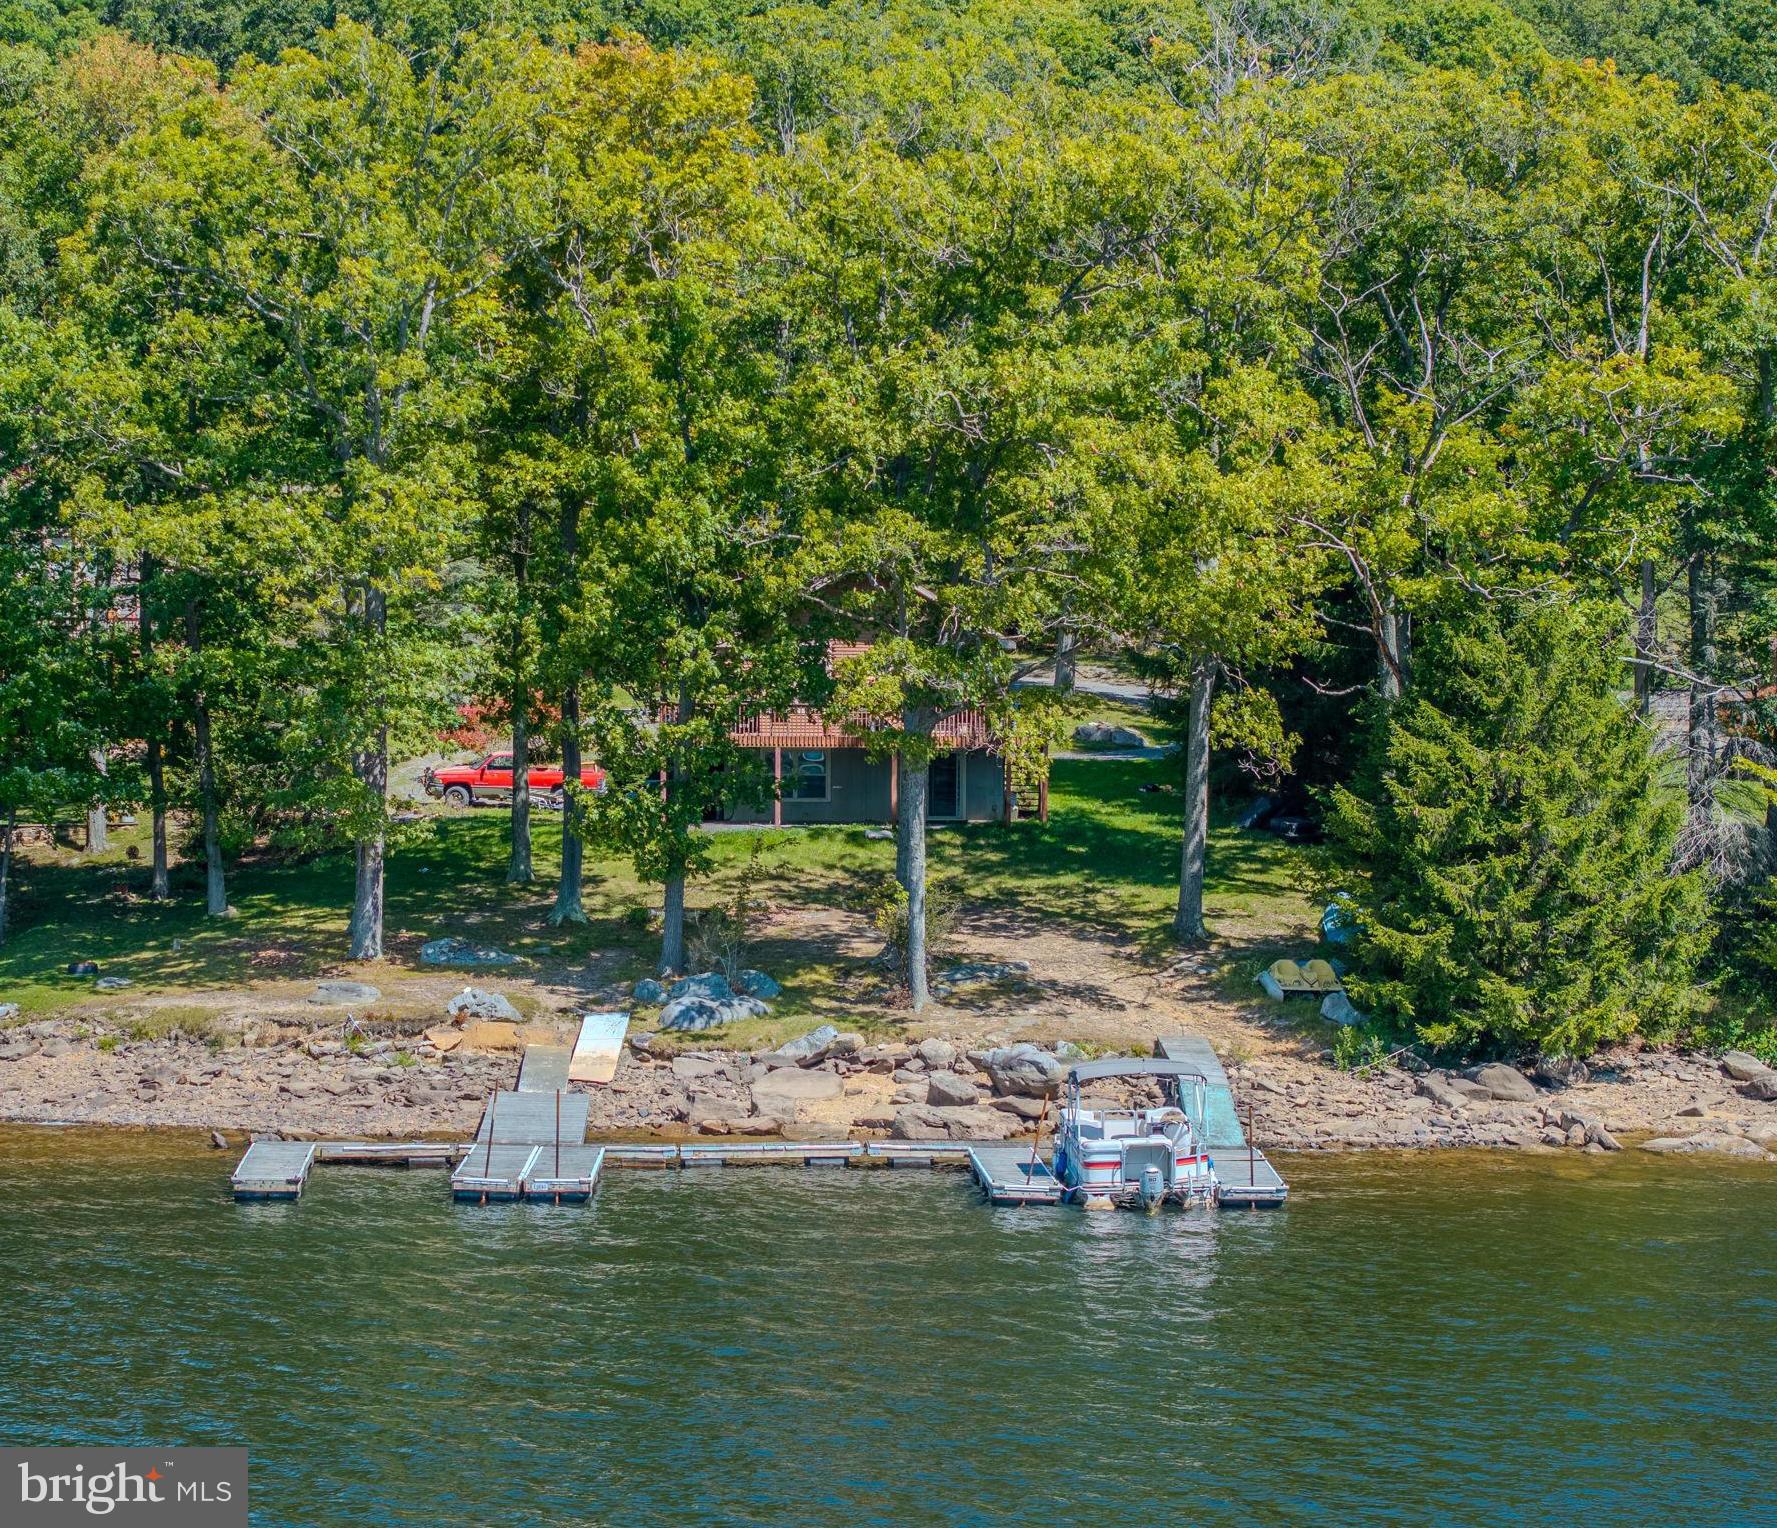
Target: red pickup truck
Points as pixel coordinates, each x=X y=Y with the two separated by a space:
x=491 y=780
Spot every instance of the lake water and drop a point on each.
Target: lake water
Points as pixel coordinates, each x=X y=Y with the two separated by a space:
x=1481 y=1339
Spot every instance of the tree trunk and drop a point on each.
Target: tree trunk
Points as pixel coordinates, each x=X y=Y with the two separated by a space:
x=518 y=864
x=1647 y=636
x=1391 y=642
x=215 y=882
x=1700 y=771
x=372 y=766
x=1064 y=663
x=672 y=926
x=569 y=904
x=915 y=795
x=215 y=885
x=98 y=838
x=159 y=889
x=6 y=866
x=1187 y=922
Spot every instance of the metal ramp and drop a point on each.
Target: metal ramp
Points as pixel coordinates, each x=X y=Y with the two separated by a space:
x=1244 y=1177
x=544 y=1069
x=1011 y=1175
x=274 y=1170
x=513 y=1118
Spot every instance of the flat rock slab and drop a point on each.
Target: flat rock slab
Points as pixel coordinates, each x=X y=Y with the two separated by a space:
x=793 y=1086
x=1719 y=1142
x=329 y=993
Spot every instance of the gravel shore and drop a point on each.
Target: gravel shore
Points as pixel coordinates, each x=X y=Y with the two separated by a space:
x=290 y=1081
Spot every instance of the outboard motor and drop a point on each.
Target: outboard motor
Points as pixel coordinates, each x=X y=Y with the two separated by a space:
x=1153 y=1188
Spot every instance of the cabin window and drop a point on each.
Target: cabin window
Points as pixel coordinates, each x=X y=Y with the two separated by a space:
x=805 y=774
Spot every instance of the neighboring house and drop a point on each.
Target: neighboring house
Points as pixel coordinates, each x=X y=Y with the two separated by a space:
x=825 y=774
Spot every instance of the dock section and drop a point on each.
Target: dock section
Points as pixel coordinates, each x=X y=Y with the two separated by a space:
x=530 y=1144
x=1013 y=1175
x=274 y=1170
x=1244 y=1177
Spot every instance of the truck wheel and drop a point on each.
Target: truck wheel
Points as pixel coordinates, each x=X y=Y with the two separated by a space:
x=458 y=795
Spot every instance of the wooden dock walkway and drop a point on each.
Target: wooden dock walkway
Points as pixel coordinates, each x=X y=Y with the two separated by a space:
x=1013 y=1175
x=274 y=1170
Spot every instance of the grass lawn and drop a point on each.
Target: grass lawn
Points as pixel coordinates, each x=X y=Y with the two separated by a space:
x=1106 y=862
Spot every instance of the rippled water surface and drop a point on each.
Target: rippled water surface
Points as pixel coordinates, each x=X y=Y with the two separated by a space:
x=1437 y=1339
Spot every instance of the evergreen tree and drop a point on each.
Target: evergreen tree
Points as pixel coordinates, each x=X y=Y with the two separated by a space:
x=1513 y=834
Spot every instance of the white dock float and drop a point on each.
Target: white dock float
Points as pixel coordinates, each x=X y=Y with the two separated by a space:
x=274 y=1170
x=733 y=1153
x=1013 y=1175
x=563 y=1175
x=492 y=1173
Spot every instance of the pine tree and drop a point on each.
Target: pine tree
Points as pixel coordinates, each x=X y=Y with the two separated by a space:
x=1512 y=835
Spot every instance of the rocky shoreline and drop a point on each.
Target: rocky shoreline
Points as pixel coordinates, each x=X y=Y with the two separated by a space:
x=295 y=1081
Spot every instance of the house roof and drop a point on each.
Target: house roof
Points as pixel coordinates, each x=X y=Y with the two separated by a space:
x=802 y=727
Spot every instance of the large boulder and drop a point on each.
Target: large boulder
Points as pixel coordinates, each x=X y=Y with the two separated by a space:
x=1743 y=1066
x=459 y=952
x=947 y=1090
x=489 y=1007
x=1561 y=1071
x=1108 y=735
x=18 y=1048
x=691 y=1013
x=1449 y=1092
x=8 y=1012
x=1506 y=1083
x=1763 y=1087
x=810 y=1049
x=780 y=1093
x=935 y=1053
x=711 y=984
x=1020 y=1108
x=758 y=984
x=847 y=1043
x=1024 y=1070
x=648 y=991
x=1337 y=1008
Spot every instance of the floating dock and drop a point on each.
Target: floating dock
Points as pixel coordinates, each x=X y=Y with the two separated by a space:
x=1244 y=1176
x=274 y=1170
x=531 y=1145
x=1013 y=1175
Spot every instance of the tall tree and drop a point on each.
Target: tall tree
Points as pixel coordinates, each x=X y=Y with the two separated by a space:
x=356 y=205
